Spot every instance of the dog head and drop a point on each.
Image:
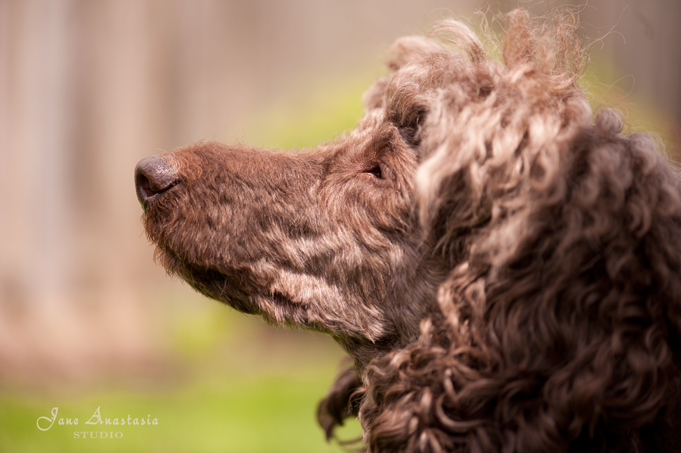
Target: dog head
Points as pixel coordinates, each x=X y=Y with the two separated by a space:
x=510 y=265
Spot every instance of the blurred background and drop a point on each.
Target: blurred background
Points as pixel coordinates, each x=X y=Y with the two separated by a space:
x=87 y=88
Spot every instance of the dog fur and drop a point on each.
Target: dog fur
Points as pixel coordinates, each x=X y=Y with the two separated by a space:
x=503 y=268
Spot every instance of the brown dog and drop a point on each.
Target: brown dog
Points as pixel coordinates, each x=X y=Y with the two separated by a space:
x=504 y=271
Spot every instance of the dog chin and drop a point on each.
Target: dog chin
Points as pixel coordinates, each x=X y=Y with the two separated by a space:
x=225 y=292
x=210 y=282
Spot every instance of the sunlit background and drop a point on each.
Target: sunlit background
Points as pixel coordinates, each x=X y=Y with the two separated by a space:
x=87 y=88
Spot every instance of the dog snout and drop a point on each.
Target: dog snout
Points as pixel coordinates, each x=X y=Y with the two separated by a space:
x=153 y=175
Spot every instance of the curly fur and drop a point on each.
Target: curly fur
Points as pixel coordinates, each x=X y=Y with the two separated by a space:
x=504 y=269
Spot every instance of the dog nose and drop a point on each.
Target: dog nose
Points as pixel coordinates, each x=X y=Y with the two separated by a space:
x=153 y=175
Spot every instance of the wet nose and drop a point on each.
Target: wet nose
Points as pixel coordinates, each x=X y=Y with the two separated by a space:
x=153 y=175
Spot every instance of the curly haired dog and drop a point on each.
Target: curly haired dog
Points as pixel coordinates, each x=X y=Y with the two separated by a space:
x=504 y=269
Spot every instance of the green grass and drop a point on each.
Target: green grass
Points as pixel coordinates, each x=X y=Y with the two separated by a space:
x=245 y=413
x=233 y=384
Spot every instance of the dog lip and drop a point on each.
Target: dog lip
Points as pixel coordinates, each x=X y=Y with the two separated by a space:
x=153 y=175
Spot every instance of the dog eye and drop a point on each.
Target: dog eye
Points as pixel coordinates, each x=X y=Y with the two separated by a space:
x=376 y=171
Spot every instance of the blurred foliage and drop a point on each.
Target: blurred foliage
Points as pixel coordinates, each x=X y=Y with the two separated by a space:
x=311 y=112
